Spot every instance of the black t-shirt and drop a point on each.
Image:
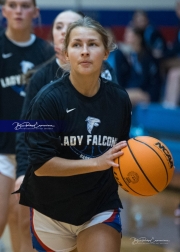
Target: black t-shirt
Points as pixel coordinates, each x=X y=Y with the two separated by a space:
x=91 y=125
x=45 y=75
x=15 y=61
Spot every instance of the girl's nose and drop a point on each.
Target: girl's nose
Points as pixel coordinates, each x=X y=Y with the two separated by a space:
x=85 y=50
x=18 y=8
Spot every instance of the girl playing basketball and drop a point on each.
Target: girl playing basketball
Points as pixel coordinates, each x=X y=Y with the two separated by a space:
x=69 y=184
x=52 y=71
x=46 y=74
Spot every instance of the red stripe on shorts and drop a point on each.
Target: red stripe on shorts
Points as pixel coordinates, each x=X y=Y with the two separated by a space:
x=112 y=217
x=35 y=234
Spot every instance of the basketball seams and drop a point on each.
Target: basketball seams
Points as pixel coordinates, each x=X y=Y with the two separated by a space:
x=157 y=155
x=144 y=159
x=140 y=167
x=125 y=181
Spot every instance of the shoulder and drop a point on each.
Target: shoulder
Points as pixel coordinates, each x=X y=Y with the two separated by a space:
x=51 y=91
x=42 y=41
x=44 y=45
x=117 y=95
x=2 y=36
x=44 y=70
x=47 y=73
x=47 y=101
x=115 y=90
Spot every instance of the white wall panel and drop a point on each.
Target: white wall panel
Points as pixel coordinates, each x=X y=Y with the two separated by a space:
x=54 y=4
x=109 y=4
x=130 y=4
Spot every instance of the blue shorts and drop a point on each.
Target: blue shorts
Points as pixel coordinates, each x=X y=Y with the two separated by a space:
x=51 y=235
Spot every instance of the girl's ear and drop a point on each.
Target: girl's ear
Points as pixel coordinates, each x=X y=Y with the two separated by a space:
x=106 y=55
x=36 y=12
x=66 y=56
x=3 y=11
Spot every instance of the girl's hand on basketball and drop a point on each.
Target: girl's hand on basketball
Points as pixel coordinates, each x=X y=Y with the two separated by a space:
x=106 y=161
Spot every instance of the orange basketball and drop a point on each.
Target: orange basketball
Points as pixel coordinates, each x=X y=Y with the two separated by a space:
x=145 y=168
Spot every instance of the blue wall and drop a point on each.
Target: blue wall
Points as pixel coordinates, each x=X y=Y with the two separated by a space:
x=120 y=17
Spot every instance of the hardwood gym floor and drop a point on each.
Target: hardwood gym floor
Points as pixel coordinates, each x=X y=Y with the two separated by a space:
x=148 y=223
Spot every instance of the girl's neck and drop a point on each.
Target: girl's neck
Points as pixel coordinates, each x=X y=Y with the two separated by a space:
x=18 y=36
x=86 y=85
x=61 y=58
x=61 y=61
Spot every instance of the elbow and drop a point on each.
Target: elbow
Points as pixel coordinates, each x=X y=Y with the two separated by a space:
x=38 y=173
x=43 y=170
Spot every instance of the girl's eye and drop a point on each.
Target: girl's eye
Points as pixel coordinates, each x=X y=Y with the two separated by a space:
x=76 y=45
x=25 y=6
x=12 y=5
x=59 y=27
x=93 y=44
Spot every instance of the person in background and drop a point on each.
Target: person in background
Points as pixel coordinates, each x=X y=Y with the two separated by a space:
x=46 y=74
x=171 y=96
x=143 y=83
x=20 y=50
x=171 y=70
x=154 y=40
x=117 y=60
x=69 y=185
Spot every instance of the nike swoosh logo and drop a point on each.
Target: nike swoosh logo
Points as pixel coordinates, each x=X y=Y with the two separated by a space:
x=69 y=110
x=6 y=55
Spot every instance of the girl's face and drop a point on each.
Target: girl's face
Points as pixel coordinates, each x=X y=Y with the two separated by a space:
x=140 y=21
x=61 y=24
x=132 y=39
x=178 y=9
x=19 y=13
x=85 y=51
